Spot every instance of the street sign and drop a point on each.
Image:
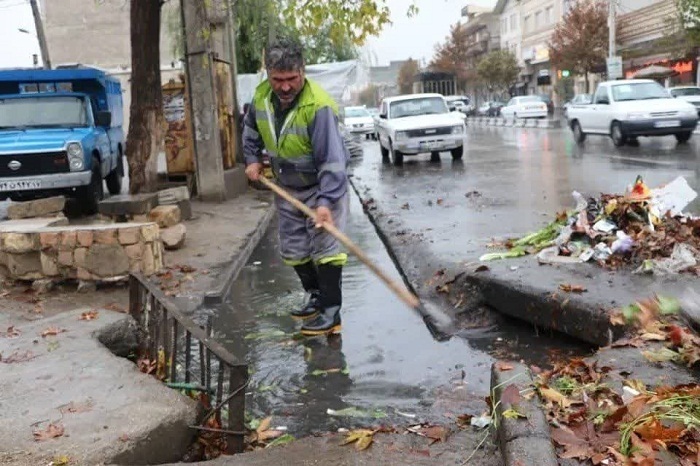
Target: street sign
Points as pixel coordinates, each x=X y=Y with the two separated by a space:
x=614 y=67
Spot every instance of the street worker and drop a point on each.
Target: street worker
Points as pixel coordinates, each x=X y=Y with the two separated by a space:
x=296 y=122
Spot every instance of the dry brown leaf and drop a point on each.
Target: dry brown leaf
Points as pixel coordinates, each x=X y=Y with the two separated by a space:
x=89 y=315
x=12 y=332
x=552 y=395
x=264 y=424
x=52 y=431
x=18 y=357
x=618 y=319
x=52 y=331
x=364 y=443
x=652 y=337
x=435 y=433
x=569 y=288
x=269 y=435
x=504 y=366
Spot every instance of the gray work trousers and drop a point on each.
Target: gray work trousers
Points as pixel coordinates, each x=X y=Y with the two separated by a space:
x=300 y=240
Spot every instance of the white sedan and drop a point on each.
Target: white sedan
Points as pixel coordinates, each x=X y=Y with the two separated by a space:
x=528 y=106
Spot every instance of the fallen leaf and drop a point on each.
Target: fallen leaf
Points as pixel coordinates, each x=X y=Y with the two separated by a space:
x=270 y=434
x=568 y=288
x=552 y=395
x=264 y=425
x=618 y=318
x=62 y=460
x=482 y=268
x=52 y=431
x=89 y=315
x=283 y=440
x=653 y=337
x=435 y=433
x=661 y=355
x=18 y=357
x=513 y=414
x=668 y=306
x=52 y=331
x=676 y=334
x=361 y=437
x=510 y=395
x=355 y=412
x=464 y=420
x=440 y=201
x=12 y=332
x=504 y=366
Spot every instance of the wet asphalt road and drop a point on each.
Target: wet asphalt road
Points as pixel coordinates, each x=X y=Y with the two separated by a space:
x=512 y=181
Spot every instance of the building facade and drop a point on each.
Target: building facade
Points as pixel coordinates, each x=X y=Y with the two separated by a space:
x=482 y=29
x=511 y=34
x=538 y=21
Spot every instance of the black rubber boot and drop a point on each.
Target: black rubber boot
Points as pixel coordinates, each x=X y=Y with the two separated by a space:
x=309 y=280
x=330 y=300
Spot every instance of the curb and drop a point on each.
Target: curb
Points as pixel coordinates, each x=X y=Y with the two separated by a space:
x=525 y=441
x=569 y=315
x=517 y=123
x=238 y=261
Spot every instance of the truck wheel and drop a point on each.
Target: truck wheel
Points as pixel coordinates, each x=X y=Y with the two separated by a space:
x=115 y=177
x=90 y=196
x=618 y=137
x=385 y=152
x=579 y=135
x=684 y=137
x=397 y=157
x=457 y=153
x=435 y=156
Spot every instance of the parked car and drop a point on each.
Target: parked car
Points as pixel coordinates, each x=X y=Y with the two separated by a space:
x=626 y=109
x=460 y=103
x=60 y=133
x=416 y=123
x=353 y=141
x=490 y=108
x=358 y=120
x=528 y=106
x=579 y=99
x=548 y=101
x=688 y=93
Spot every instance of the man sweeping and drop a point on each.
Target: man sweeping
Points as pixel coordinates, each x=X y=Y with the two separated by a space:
x=296 y=122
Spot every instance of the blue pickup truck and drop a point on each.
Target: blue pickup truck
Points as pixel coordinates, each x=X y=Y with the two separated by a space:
x=60 y=133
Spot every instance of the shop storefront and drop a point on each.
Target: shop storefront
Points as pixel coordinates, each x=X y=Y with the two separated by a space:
x=686 y=69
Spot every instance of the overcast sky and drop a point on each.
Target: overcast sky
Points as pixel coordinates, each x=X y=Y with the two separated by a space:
x=406 y=37
x=416 y=37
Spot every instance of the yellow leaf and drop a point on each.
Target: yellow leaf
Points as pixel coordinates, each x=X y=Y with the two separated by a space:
x=364 y=443
x=512 y=414
x=653 y=337
x=552 y=395
x=62 y=460
x=356 y=435
x=269 y=434
x=264 y=425
x=637 y=385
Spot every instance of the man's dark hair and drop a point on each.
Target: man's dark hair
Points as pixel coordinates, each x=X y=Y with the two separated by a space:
x=284 y=54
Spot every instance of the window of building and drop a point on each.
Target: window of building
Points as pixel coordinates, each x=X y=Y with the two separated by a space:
x=538 y=19
x=550 y=15
x=527 y=23
x=504 y=25
x=513 y=22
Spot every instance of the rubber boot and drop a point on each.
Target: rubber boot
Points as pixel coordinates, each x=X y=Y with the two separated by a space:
x=330 y=300
x=309 y=280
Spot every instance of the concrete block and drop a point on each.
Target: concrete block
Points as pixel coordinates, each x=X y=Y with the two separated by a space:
x=19 y=243
x=128 y=204
x=173 y=237
x=165 y=216
x=80 y=257
x=235 y=181
x=148 y=266
x=49 y=267
x=529 y=451
x=185 y=206
x=48 y=207
x=65 y=258
x=134 y=252
x=69 y=239
x=49 y=239
x=172 y=196
x=150 y=233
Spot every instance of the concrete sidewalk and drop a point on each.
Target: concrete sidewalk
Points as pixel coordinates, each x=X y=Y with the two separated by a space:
x=108 y=410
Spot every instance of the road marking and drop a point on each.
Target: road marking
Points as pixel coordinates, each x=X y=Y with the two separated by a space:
x=655 y=162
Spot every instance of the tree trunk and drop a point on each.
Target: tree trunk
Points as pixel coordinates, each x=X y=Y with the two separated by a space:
x=146 y=114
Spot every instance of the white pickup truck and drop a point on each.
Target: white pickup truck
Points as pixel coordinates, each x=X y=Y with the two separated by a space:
x=629 y=108
x=417 y=123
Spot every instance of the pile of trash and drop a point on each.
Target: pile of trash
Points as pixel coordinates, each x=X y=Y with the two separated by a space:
x=644 y=229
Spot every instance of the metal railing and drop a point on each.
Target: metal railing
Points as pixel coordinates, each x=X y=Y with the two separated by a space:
x=186 y=354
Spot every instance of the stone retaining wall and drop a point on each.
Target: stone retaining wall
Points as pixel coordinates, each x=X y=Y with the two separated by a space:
x=90 y=252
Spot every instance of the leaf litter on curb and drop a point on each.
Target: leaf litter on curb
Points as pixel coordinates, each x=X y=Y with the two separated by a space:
x=52 y=331
x=362 y=438
x=592 y=422
x=89 y=315
x=12 y=332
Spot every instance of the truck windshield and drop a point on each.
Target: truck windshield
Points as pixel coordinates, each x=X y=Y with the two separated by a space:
x=43 y=112
x=638 y=91
x=416 y=107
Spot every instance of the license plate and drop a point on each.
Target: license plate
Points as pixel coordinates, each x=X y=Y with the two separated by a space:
x=430 y=145
x=667 y=124
x=19 y=185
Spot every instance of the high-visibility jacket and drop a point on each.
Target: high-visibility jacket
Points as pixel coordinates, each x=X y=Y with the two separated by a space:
x=291 y=154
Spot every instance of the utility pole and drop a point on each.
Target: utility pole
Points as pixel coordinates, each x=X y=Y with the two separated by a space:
x=612 y=11
x=201 y=44
x=39 y=24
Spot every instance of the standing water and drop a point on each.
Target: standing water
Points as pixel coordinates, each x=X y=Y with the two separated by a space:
x=386 y=364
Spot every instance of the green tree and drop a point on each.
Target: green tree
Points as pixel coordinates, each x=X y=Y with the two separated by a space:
x=580 y=41
x=407 y=75
x=368 y=96
x=498 y=70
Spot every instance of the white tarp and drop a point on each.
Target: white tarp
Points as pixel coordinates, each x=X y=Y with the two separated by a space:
x=336 y=78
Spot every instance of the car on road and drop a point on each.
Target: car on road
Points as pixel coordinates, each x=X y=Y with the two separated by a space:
x=527 y=106
x=548 y=102
x=490 y=109
x=579 y=99
x=688 y=93
x=416 y=123
x=460 y=103
x=627 y=109
x=358 y=120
